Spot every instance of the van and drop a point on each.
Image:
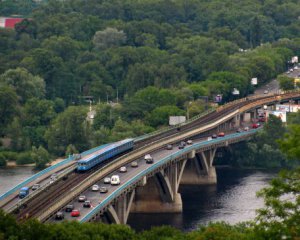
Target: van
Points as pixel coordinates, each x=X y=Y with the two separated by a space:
x=23 y=192
x=148 y=158
x=115 y=180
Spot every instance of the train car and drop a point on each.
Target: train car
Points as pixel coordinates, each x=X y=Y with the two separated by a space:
x=105 y=153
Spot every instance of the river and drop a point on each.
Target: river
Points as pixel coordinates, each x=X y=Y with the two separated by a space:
x=232 y=200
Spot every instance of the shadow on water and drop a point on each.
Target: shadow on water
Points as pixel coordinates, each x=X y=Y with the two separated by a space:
x=232 y=200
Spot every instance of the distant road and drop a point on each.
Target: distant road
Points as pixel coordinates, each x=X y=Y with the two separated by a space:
x=273 y=86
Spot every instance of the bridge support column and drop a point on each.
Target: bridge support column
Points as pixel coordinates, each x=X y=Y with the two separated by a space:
x=160 y=194
x=119 y=211
x=199 y=170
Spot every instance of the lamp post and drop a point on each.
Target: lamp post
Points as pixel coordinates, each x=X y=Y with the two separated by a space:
x=265 y=112
x=291 y=101
x=188 y=111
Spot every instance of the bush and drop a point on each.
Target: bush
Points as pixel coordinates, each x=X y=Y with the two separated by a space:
x=2 y=160
x=10 y=156
x=24 y=158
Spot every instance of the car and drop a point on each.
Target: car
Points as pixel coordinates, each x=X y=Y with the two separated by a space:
x=189 y=142
x=59 y=216
x=261 y=119
x=115 y=180
x=296 y=67
x=239 y=130
x=87 y=204
x=169 y=147
x=291 y=70
x=180 y=146
x=148 y=158
x=221 y=134
x=107 y=180
x=183 y=143
x=51 y=181
x=209 y=138
x=255 y=125
x=35 y=187
x=266 y=92
x=81 y=198
x=123 y=169
x=134 y=164
x=214 y=136
x=75 y=213
x=246 y=129
x=103 y=190
x=69 y=208
x=95 y=188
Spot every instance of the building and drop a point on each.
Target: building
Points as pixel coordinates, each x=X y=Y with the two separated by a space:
x=9 y=22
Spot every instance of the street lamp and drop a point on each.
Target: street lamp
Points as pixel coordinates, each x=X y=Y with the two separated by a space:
x=188 y=111
x=265 y=112
x=291 y=101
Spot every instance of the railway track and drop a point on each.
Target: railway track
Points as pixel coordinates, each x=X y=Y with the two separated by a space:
x=48 y=198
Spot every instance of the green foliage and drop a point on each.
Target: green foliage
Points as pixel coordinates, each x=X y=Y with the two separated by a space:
x=25 y=84
x=40 y=156
x=71 y=149
x=24 y=158
x=10 y=156
x=2 y=160
x=280 y=216
x=8 y=106
x=285 y=82
x=160 y=115
x=70 y=127
x=290 y=142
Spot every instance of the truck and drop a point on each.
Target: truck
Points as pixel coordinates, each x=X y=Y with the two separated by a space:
x=23 y=192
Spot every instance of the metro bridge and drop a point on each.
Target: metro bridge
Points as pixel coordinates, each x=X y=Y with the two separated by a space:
x=148 y=188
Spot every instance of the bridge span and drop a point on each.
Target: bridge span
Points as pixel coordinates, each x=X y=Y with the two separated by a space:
x=167 y=171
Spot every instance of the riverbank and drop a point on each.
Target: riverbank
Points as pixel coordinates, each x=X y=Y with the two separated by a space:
x=12 y=164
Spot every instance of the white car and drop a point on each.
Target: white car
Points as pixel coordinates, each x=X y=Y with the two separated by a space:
x=115 y=180
x=148 y=158
x=189 y=142
x=95 y=188
x=107 y=180
x=123 y=169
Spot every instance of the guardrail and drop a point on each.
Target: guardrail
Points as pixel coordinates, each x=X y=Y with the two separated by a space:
x=46 y=170
x=158 y=164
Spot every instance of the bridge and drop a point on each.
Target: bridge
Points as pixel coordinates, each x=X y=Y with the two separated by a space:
x=150 y=188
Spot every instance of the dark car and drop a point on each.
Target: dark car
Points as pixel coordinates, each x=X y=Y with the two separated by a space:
x=69 y=208
x=239 y=130
x=181 y=146
x=59 y=216
x=103 y=190
x=35 y=187
x=214 y=136
x=87 y=204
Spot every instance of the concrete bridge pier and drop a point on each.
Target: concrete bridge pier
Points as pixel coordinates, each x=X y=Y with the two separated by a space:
x=118 y=212
x=160 y=194
x=199 y=170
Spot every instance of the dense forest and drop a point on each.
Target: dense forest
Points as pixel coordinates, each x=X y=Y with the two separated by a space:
x=137 y=61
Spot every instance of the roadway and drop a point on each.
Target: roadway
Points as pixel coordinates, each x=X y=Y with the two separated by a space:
x=96 y=197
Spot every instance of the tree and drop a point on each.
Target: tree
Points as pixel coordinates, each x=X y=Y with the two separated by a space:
x=109 y=37
x=160 y=115
x=71 y=149
x=290 y=142
x=25 y=84
x=280 y=216
x=2 y=161
x=8 y=106
x=285 y=82
x=40 y=156
x=69 y=127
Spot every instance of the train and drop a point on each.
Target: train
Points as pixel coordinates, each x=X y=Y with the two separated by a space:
x=104 y=154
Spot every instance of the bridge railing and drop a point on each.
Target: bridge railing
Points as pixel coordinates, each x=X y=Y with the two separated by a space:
x=47 y=170
x=156 y=165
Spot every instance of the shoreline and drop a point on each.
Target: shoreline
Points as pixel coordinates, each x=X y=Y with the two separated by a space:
x=12 y=164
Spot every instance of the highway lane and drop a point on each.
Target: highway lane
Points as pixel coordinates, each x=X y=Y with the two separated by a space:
x=96 y=197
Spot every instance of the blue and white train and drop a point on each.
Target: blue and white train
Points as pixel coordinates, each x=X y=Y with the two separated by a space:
x=104 y=154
